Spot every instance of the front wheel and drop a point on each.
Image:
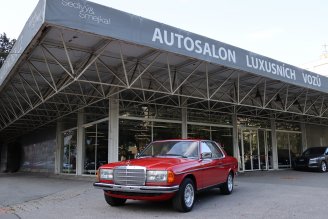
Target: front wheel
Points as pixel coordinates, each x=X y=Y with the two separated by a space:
x=112 y=201
x=227 y=187
x=323 y=166
x=185 y=198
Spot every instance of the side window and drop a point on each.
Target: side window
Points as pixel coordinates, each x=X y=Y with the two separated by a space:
x=216 y=152
x=326 y=151
x=204 y=147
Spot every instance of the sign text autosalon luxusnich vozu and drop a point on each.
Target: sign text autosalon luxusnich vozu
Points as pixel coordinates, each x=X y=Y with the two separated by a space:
x=220 y=52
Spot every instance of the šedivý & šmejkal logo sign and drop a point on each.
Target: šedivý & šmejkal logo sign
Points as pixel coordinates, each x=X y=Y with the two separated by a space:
x=86 y=12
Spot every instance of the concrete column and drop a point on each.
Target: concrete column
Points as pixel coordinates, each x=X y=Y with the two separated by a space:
x=113 y=130
x=59 y=147
x=304 y=138
x=184 y=117
x=274 y=144
x=4 y=157
x=235 y=138
x=184 y=126
x=80 y=151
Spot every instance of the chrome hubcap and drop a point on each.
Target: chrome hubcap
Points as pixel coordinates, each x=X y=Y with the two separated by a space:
x=189 y=195
x=323 y=167
x=230 y=182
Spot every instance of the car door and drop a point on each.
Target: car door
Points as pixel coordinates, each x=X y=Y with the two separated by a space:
x=211 y=167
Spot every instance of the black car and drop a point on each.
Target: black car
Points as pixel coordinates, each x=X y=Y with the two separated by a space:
x=313 y=158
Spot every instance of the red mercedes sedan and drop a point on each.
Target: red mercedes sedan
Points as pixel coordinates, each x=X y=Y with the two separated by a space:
x=169 y=169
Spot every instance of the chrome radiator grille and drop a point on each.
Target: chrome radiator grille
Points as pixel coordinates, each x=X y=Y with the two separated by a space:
x=130 y=175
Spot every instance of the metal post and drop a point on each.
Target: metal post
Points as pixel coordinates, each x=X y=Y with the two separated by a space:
x=274 y=144
x=235 y=138
x=80 y=151
x=304 y=138
x=113 y=130
x=184 y=125
x=59 y=147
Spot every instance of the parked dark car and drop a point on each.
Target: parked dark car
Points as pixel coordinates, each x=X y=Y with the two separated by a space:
x=313 y=158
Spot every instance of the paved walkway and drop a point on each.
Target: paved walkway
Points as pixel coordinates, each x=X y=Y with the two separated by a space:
x=273 y=194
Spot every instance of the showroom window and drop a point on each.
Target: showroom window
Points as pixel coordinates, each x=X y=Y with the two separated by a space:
x=149 y=111
x=221 y=135
x=289 y=145
x=96 y=146
x=69 y=151
x=135 y=135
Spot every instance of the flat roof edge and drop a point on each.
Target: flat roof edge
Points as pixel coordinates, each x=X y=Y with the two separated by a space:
x=109 y=22
x=105 y=21
x=30 y=30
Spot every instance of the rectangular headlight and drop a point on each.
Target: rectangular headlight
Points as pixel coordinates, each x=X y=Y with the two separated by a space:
x=156 y=176
x=106 y=174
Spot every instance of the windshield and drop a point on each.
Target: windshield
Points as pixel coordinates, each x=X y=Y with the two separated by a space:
x=314 y=151
x=188 y=149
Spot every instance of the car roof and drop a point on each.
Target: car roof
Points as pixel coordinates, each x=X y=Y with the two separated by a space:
x=184 y=139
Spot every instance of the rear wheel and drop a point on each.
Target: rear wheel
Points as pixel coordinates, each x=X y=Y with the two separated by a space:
x=227 y=187
x=323 y=166
x=185 y=198
x=112 y=201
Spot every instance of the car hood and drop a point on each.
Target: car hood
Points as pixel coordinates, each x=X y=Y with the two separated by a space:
x=159 y=163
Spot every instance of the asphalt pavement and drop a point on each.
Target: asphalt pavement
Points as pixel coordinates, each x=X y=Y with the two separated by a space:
x=262 y=194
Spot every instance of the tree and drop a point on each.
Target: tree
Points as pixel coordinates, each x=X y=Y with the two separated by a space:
x=5 y=46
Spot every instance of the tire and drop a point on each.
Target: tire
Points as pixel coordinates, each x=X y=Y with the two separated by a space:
x=114 y=201
x=184 y=199
x=227 y=187
x=323 y=166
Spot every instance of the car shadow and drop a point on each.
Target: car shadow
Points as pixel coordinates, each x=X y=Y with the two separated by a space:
x=203 y=199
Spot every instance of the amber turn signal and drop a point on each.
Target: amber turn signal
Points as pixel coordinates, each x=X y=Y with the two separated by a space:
x=170 y=176
x=97 y=175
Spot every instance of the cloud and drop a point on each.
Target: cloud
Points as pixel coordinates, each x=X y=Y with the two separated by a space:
x=265 y=34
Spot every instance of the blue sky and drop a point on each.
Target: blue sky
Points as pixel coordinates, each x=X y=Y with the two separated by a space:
x=292 y=31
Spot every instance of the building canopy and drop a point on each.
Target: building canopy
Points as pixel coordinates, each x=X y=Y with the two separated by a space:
x=74 y=54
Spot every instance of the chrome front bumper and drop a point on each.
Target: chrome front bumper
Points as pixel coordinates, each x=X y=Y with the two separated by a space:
x=137 y=189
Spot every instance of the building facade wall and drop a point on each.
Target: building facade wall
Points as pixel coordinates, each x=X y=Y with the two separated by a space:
x=38 y=151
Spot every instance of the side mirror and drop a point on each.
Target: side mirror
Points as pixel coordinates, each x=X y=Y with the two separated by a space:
x=206 y=155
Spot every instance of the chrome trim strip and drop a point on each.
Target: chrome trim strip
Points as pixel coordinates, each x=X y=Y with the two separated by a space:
x=137 y=189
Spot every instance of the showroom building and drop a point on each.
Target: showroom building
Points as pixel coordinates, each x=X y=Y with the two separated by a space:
x=86 y=84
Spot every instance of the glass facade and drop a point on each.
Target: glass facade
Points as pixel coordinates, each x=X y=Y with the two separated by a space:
x=69 y=151
x=134 y=135
x=140 y=124
x=96 y=147
x=255 y=144
x=289 y=145
x=221 y=135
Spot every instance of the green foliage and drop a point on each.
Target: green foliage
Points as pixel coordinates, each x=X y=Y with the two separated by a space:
x=5 y=46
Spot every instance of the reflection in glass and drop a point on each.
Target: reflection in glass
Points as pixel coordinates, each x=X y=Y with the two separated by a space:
x=96 y=147
x=283 y=150
x=269 y=144
x=221 y=135
x=289 y=146
x=69 y=152
x=136 y=134
x=163 y=131
x=247 y=150
x=251 y=149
